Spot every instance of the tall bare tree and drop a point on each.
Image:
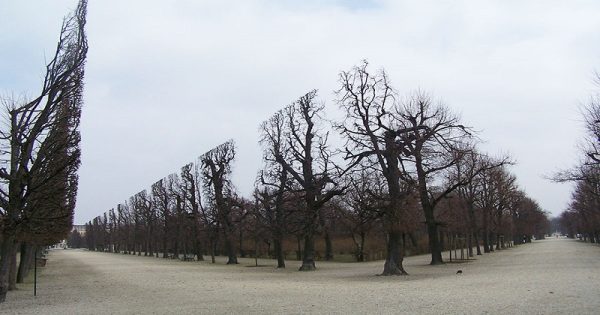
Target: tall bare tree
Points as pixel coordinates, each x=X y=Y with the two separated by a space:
x=216 y=172
x=191 y=183
x=40 y=149
x=371 y=128
x=310 y=166
x=433 y=141
x=273 y=182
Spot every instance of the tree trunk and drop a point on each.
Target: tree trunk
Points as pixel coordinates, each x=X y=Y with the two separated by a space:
x=197 y=241
x=25 y=263
x=198 y=249
x=279 y=252
x=213 y=249
x=12 y=271
x=486 y=232
x=7 y=250
x=231 y=254
x=469 y=244
x=241 y=244
x=435 y=245
x=474 y=229
x=359 y=254
x=308 y=257
x=164 y=242
x=395 y=256
x=328 y=247
x=476 y=235
x=299 y=250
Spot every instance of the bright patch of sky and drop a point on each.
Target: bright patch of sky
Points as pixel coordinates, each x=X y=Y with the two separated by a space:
x=168 y=80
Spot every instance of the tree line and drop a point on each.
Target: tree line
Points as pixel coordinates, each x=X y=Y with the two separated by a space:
x=408 y=171
x=582 y=217
x=39 y=156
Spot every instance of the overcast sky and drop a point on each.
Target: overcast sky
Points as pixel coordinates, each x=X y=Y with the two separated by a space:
x=168 y=80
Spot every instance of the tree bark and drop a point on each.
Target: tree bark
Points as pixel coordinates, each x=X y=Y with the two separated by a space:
x=7 y=250
x=308 y=257
x=393 y=262
x=12 y=271
x=25 y=263
x=279 y=252
x=231 y=254
x=435 y=245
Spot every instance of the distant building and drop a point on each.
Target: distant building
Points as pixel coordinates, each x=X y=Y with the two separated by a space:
x=80 y=229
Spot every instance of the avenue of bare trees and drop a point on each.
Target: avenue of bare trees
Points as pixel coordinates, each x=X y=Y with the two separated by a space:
x=408 y=178
x=582 y=218
x=40 y=157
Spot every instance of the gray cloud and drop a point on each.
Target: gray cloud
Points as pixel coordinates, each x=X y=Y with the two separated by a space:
x=168 y=80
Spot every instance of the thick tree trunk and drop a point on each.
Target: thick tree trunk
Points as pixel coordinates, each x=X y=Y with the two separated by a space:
x=176 y=249
x=498 y=242
x=7 y=251
x=25 y=262
x=361 y=252
x=486 y=232
x=435 y=245
x=486 y=241
x=395 y=256
x=12 y=271
x=231 y=254
x=279 y=252
x=474 y=229
x=198 y=249
x=308 y=257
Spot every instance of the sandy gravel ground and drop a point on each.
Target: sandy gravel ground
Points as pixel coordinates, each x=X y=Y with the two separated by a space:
x=555 y=276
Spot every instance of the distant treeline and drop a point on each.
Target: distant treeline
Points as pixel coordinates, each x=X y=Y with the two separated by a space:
x=582 y=217
x=408 y=178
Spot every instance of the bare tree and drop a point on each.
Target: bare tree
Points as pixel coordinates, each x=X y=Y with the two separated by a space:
x=433 y=141
x=191 y=183
x=582 y=216
x=161 y=201
x=309 y=164
x=371 y=129
x=40 y=150
x=273 y=183
x=216 y=170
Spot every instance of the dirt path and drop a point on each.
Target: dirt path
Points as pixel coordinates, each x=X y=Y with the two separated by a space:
x=546 y=277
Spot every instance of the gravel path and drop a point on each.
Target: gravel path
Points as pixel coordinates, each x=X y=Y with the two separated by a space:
x=554 y=276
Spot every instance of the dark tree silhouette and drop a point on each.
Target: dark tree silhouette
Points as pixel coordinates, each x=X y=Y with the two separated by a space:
x=273 y=182
x=216 y=172
x=191 y=183
x=309 y=165
x=40 y=148
x=371 y=129
x=433 y=140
